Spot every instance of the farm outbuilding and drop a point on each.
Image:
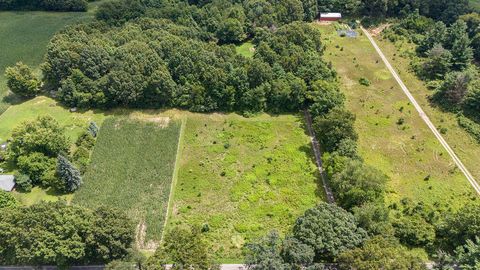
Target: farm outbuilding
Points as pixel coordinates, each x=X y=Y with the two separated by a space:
x=7 y=182
x=330 y=17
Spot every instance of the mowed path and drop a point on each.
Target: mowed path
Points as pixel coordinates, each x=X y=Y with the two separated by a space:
x=424 y=116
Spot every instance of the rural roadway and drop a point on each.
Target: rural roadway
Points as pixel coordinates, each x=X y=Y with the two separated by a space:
x=424 y=116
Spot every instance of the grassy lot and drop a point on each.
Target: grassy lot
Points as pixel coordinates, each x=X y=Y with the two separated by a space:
x=24 y=37
x=464 y=145
x=246 y=49
x=74 y=123
x=408 y=153
x=243 y=177
x=131 y=169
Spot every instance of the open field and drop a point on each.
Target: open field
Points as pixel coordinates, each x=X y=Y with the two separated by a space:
x=24 y=37
x=464 y=145
x=393 y=137
x=242 y=177
x=131 y=169
x=74 y=123
x=246 y=49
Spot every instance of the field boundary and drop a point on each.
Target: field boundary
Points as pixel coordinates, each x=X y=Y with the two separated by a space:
x=318 y=158
x=175 y=174
x=424 y=116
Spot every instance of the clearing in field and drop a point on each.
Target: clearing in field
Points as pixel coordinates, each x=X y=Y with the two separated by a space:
x=24 y=37
x=242 y=177
x=393 y=137
x=131 y=169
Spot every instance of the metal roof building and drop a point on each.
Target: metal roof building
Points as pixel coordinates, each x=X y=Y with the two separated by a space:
x=7 y=182
x=330 y=16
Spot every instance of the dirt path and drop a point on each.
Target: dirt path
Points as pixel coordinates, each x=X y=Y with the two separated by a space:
x=318 y=158
x=424 y=116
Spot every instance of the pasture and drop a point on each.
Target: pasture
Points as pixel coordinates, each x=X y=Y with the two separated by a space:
x=242 y=177
x=131 y=169
x=392 y=136
x=24 y=37
x=464 y=145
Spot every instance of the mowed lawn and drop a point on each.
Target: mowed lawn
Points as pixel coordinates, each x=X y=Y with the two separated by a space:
x=418 y=166
x=242 y=177
x=131 y=169
x=24 y=37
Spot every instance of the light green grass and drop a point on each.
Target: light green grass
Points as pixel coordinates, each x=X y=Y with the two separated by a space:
x=406 y=153
x=246 y=49
x=38 y=195
x=243 y=177
x=475 y=4
x=24 y=37
x=74 y=123
x=131 y=169
x=464 y=145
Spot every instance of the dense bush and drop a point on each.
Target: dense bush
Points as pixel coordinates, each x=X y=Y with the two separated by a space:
x=21 y=81
x=55 y=233
x=335 y=127
x=380 y=253
x=50 y=5
x=329 y=230
x=358 y=184
x=7 y=199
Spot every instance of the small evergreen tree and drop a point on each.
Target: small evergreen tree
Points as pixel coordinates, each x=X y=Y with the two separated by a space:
x=69 y=176
x=93 y=129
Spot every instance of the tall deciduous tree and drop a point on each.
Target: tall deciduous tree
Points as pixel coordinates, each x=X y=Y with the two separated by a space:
x=334 y=127
x=329 y=230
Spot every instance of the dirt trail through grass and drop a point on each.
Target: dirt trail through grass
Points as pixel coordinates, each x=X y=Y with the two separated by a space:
x=424 y=116
x=392 y=136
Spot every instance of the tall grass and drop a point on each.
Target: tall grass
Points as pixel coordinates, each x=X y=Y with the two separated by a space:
x=131 y=169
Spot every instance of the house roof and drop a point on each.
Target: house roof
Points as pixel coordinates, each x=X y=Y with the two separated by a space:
x=7 y=182
x=330 y=15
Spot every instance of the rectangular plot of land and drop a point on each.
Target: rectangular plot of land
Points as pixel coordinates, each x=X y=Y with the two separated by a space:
x=131 y=169
x=242 y=177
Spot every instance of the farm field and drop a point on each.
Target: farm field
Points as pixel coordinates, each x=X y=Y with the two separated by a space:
x=242 y=177
x=464 y=145
x=24 y=37
x=131 y=169
x=392 y=136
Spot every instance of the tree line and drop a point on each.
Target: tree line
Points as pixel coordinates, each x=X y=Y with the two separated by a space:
x=47 y=5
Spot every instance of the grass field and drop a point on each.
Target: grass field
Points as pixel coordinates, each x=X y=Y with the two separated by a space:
x=243 y=177
x=464 y=145
x=408 y=153
x=246 y=49
x=475 y=4
x=131 y=169
x=74 y=123
x=24 y=37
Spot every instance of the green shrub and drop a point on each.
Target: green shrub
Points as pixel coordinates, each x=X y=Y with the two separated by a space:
x=364 y=81
x=23 y=182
